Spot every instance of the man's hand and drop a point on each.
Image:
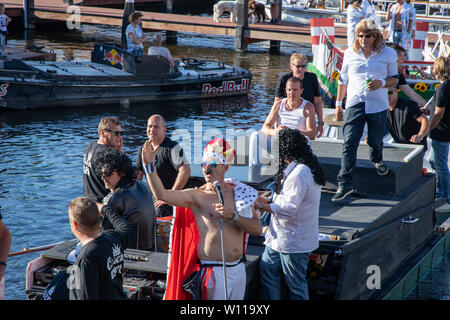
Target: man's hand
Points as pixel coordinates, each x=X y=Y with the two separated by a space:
x=159 y=203
x=374 y=85
x=339 y=113
x=416 y=138
x=149 y=152
x=227 y=214
x=319 y=130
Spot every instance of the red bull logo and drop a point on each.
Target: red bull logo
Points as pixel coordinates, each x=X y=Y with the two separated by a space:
x=227 y=87
x=113 y=57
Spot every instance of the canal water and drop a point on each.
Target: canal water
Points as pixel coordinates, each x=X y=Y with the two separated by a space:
x=41 y=151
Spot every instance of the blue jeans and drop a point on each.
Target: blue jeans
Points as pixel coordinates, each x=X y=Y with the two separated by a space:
x=293 y=267
x=397 y=37
x=439 y=163
x=354 y=120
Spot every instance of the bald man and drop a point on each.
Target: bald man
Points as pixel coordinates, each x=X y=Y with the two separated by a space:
x=171 y=164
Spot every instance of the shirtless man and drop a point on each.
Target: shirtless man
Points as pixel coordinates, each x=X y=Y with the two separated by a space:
x=238 y=214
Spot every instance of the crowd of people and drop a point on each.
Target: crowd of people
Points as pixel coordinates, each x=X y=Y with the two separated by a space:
x=119 y=211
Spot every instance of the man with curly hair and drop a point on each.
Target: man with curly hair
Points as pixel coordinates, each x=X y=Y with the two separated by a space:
x=294 y=228
x=130 y=198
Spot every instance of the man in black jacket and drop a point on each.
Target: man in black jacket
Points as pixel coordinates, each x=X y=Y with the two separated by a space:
x=97 y=272
x=130 y=198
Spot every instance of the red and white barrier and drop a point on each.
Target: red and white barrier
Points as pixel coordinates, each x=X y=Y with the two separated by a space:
x=419 y=42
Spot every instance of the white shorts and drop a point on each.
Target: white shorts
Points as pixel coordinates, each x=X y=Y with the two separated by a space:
x=236 y=281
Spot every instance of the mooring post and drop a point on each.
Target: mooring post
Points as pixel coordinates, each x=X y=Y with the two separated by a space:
x=127 y=10
x=28 y=14
x=275 y=44
x=171 y=36
x=241 y=38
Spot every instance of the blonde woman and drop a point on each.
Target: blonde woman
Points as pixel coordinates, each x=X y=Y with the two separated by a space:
x=368 y=70
x=440 y=131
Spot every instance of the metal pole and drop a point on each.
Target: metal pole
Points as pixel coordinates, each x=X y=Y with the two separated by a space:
x=223 y=260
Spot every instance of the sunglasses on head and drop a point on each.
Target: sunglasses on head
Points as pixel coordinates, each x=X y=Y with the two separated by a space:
x=299 y=66
x=115 y=132
x=367 y=36
x=211 y=164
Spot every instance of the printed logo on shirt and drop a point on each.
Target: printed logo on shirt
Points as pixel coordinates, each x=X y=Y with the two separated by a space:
x=87 y=162
x=114 y=264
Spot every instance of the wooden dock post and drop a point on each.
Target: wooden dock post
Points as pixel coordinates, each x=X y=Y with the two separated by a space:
x=28 y=14
x=171 y=36
x=275 y=44
x=241 y=38
x=127 y=10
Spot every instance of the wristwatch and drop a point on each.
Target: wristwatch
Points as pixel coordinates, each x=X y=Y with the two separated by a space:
x=320 y=123
x=236 y=217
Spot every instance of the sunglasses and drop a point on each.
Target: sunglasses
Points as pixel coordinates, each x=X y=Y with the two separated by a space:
x=108 y=174
x=367 y=36
x=211 y=164
x=115 y=132
x=299 y=66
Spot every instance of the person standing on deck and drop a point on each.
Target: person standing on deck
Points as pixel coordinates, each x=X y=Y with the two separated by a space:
x=171 y=164
x=274 y=10
x=401 y=23
x=135 y=35
x=110 y=136
x=294 y=227
x=440 y=131
x=97 y=272
x=368 y=69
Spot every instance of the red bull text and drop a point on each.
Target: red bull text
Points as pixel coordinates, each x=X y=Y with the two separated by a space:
x=227 y=87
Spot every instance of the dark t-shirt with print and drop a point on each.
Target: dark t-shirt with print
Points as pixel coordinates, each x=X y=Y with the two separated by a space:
x=442 y=131
x=311 y=86
x=93 y=185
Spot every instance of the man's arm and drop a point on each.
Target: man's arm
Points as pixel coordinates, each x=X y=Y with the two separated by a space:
x=339 y=111
x=414 y=96
x=318 y=109
x=271 y=119
x=437 y=117
x=178 y=198
x=123 y=228
x=310 y=116
x=184 y=173
x=250 y=225
x=423 y=129
x=5 y=244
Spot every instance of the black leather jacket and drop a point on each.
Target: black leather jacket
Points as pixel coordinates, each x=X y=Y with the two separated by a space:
x=135 y=203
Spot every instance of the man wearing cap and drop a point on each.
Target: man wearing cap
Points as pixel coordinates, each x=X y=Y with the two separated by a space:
x=237 y=212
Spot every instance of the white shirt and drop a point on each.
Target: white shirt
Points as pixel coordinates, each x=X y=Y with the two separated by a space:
x=293 y=119
x=159 y=51
x=3 y=23
x=356 y=69
x=294 y=227
x=137 y=33
x=370 y=12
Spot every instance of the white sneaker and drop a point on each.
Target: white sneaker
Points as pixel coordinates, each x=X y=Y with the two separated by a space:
x=443 y=209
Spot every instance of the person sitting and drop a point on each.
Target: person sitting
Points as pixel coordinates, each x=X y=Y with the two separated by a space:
x=405 y=120
x=135 y=35
x=157 y=50
x=292 y=112
x=98 y=269
x=311 y=88
x=130 y=198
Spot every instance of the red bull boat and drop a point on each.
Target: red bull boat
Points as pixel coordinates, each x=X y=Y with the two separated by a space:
x=115 y=76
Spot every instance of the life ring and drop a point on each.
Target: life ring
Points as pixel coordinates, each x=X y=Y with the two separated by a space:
x=420 y=86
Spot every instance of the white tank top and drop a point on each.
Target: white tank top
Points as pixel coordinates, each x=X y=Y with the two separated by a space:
x=292 y=119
